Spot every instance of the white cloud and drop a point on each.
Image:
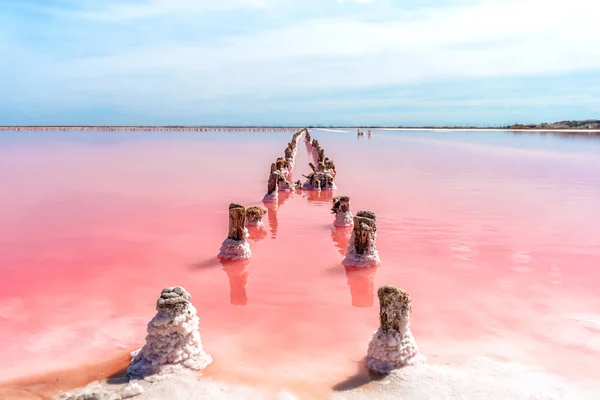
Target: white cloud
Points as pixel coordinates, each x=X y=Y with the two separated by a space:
x=492 y=39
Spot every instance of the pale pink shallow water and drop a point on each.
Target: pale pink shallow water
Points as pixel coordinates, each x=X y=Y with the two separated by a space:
x=496 y=237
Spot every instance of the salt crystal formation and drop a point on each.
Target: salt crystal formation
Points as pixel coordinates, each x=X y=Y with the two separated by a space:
x=254 y=216
x=341 y=209
x=131 y=390
x=173 y=341
x=361 y=249
x=393 y=345
x=236 y=247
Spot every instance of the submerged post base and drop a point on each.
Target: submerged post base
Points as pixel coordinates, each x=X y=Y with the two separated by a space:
x=232 y=249
x=344 y=218
x=271 y=197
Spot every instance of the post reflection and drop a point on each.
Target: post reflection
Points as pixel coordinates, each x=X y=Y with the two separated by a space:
x=272 y=217
x=360 y=280
x=256 y=233
x=283 y=196
x=237 y=272
x=341 y=237
x=319 y=196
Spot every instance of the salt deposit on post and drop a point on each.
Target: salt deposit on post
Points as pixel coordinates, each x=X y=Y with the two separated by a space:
x=236 y=247
x=254 y=216
x=341 y=209
x=173 y=341
x=393 y=345
x=361 y=249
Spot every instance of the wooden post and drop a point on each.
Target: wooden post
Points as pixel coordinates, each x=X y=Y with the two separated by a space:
x=237 y=220
x=394 y=309
x=281 y=163
x=340 y=204
x=364 y=230
x=273 y=178
x=321 y=154
x=254 y=215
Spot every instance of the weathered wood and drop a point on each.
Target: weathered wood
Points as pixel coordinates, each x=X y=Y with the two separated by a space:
x=364 y=231
x=394 y=309
x=273 y=167
x=289 y=154
x=281 y=163
x=321 y=155
x=272 y=183
x=255 y=214
x=237 y=220
x=312 y=166
x=340 y=204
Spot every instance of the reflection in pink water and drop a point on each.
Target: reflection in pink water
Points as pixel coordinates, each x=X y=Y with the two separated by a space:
x=495 y=237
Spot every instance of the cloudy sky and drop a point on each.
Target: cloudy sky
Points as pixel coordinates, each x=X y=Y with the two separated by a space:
x=298 y=62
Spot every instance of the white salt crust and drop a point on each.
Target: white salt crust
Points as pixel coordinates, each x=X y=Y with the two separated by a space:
x=369 y=259
x=131 y=390
x=343 y=219
x=272 y=197
x=481 y=379
x=393 y=350
x=173 y=343
x=232 y=249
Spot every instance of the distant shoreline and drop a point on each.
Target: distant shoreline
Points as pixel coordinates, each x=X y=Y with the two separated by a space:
x=577 y=131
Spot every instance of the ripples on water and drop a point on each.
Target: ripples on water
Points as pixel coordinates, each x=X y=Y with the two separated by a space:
x=495 y=235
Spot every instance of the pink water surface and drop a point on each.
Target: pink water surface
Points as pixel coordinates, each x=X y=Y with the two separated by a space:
x=495 y=236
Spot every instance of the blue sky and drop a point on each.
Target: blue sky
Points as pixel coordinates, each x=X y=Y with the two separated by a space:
x=298 y=62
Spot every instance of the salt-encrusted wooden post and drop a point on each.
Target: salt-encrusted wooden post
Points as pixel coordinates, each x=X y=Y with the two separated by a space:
x=236 y=246
x=364 y=231
x=237 y=221
x=254 y=216
x=341 y=209
x=281 y=163
x=173 y=340
x=321 y=154
x=272 y=187
x=362 y=251
x=393 y=345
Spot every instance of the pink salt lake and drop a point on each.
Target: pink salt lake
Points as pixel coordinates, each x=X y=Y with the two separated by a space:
x=496 y=236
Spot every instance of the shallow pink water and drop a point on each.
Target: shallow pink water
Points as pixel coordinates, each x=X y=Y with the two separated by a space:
x=495 y=236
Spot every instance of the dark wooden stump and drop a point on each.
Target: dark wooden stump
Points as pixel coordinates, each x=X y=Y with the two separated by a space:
x=394 y=307
x=255 y=214
x=273 y=178
x=321 y=155
x=364 y=230
x=281 y=163
x=340 y=203
x=237 y=220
